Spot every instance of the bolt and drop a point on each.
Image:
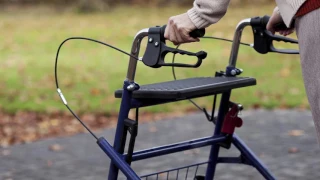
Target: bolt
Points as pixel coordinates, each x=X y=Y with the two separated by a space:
x=131 y=87
x=261 y=34
x=233 y=72
x=240 y=107
x=150 y=40
x=156 y=44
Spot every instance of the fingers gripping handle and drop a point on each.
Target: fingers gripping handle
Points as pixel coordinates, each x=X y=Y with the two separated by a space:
x=195 y=33
x=277 y=27
x=157 y=50
x=263 y=39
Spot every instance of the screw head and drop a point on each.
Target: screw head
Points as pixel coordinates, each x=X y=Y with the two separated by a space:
x=156 y=44
x=131 y=87
x=150 y=40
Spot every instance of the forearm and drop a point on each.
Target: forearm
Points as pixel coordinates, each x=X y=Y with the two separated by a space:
x=207 y=12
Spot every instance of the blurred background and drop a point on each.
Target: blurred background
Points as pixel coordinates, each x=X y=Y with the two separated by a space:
x=32 y=30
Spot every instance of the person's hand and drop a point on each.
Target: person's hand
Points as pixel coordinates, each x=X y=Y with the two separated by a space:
x=178 y=29
x=276 y=19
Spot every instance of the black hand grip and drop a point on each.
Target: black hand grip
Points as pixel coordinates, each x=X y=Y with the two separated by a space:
x=264 y=21
x=280 y=26
x=277 y=27
x=195 y=33
x=280 y=38
x=284 y=51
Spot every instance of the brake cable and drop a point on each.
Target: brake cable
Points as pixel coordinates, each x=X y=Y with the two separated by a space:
x=117 y=49
x=210 y=118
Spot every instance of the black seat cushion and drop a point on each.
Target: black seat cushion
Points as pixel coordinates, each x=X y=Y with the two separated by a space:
x=189 y=88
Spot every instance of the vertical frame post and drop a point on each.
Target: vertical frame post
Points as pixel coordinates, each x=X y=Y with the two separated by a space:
x=214 y=152
x=119 y=137
x=126 y=101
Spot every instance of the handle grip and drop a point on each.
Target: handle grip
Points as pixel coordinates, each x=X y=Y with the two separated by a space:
x=157 y=50
x=195 y=33
x=264 y=21
x=263 y=39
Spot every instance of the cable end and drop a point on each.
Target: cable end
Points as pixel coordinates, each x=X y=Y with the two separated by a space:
x=62 y=97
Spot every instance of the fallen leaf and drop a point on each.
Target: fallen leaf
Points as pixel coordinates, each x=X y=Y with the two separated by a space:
x=285 y=72
x=49 y=163
x=55 y=147
x=95 y=91
x=296 y=132
x=293 y=150
x=6 y=152
x=294 y=91
x=54 y=122
x=192 y=152
x=153 y=129
x=7 y=130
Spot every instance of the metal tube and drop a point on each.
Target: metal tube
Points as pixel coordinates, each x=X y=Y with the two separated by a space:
x=214 y=152
x=135 y=52
x=236 y=41
x=119 y=138
x=252 y=158
x=173 y=148
x=117 y=160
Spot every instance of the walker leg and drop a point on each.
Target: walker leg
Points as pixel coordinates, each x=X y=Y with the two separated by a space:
x=214 y=152
x=251 y=158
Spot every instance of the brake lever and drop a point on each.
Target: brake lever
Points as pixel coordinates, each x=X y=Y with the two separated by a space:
x=280 y=38
x=157 y=50
x=165 y=50
x=263 y=39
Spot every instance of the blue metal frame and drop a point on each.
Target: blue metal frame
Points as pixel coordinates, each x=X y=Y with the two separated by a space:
x=119 y=158
x=119 y=137
x=251 y=158
x=177 y=147
x=214 y=152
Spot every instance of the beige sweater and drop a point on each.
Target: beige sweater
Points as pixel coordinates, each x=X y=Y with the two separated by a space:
x=288 y=9
x=207 y=12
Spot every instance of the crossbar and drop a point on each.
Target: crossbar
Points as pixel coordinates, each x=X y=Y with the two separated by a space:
x=177 y=147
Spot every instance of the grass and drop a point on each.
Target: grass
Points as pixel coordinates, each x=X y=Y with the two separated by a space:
x=90 y=73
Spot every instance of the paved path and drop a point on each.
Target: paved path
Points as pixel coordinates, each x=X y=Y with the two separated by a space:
x=268 y=133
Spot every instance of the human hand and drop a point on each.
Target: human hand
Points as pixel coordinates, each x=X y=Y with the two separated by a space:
x=276 y=19
x=178 y=29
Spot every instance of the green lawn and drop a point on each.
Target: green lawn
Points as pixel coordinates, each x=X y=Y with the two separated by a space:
x=90 y=73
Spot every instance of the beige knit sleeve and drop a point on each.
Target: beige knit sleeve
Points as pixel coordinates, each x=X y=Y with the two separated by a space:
x=207 y=12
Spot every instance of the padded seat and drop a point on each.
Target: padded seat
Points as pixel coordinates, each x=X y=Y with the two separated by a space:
x=189 y=88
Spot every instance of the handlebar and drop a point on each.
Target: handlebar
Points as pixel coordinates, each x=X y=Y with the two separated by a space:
x=263 y=39
x=156 y=48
